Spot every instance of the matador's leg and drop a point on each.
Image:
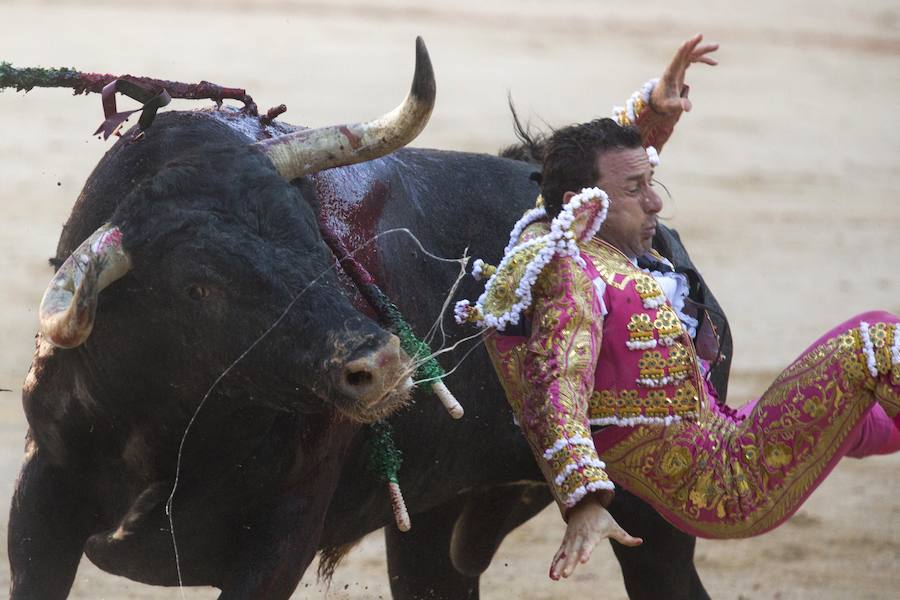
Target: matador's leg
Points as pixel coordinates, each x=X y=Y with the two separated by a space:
x=738 y=474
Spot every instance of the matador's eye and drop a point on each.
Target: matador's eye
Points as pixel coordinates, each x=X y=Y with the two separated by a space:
x=198 y=292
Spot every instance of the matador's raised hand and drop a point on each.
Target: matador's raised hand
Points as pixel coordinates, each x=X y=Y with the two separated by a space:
x=670 y=96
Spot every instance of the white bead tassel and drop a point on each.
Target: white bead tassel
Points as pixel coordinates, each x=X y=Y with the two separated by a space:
x=450 y=403
x=868 y=348
x=895 y=347
x=401 y=515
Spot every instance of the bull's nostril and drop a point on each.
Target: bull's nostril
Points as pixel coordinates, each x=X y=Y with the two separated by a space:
x=359 y=378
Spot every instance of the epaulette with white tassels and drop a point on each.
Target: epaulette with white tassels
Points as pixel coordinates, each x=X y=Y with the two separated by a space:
x=562 y=240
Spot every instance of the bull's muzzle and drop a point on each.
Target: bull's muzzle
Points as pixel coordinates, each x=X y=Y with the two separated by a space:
x=377 y=382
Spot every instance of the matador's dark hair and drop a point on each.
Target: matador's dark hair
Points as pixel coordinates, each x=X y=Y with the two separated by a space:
x=568 y=155
x=571 y=153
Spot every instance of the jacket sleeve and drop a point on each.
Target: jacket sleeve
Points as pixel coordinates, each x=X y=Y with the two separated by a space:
x=656 y=128
x=558 y=370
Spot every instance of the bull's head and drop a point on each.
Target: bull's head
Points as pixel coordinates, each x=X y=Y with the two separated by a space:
x=216 y=244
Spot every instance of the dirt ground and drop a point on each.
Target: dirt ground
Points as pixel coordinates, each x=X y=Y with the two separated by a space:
x=784 y=184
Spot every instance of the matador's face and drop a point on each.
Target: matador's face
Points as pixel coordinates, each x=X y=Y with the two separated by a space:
x=626 y=176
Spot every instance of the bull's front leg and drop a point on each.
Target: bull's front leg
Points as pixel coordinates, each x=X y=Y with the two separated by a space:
x=272 y=560
x=275 y=547
x=49 y=521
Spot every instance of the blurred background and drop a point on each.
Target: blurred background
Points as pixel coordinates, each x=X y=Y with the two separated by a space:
x=784 y=184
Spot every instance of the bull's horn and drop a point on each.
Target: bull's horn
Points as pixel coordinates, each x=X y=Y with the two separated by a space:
x=70 y=302
x=310 y=150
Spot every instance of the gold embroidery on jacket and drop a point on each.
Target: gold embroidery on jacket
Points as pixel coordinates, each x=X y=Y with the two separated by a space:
x=616 y=270
x=509 y=369
x=561 y=350
x=605 y=404
x=502 y=295
x=652 y=369
x=667 y=325
x=686 y=399
x=646 y=287
x=679 y=362
x=640 y=331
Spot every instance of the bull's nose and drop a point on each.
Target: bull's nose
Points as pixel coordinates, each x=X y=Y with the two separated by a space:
x=369 y=378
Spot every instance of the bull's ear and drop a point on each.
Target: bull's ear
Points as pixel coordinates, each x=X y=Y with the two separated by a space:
x=311 y=150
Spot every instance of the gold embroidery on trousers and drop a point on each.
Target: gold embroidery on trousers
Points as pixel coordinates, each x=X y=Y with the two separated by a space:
x=882 y=336
x=736 y=478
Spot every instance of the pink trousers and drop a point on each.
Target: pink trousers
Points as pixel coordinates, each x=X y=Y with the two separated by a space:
x=738 y=473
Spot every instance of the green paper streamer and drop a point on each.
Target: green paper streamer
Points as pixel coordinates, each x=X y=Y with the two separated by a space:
x=26 y=79
x=417 y=349
x=385 y=459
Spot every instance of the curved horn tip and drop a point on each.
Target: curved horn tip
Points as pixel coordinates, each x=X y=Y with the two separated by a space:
x=423 y=85
x=67 y=315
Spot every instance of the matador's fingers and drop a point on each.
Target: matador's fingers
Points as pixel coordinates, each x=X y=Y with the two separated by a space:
x=584 y=553
x=699 y=54
x=687 y=50
x=554 y=564
x=624 y=538
x=572 y=556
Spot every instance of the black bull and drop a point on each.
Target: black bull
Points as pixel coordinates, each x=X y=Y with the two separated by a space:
x=271 y=473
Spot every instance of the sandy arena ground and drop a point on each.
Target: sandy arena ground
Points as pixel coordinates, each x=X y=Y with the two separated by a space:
x=784 y=182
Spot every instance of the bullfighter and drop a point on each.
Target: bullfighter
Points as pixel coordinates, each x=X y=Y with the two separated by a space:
x=605 y=359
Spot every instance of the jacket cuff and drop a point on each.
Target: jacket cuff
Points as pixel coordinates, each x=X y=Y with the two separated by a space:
x=574 y=470
x=655 y=128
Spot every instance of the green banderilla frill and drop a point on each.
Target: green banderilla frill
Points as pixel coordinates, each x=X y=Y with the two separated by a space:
x=29 y=78
x=428 y=372
x=385 y=460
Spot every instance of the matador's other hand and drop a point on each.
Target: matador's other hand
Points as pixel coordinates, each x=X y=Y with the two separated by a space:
x=670 y=96
x=589 y=523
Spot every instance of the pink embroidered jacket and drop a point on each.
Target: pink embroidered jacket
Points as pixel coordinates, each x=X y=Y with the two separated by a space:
x=561 y=379
x=580 y=368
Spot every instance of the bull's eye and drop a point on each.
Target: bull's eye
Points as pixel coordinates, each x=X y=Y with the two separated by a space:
x=198 y=292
